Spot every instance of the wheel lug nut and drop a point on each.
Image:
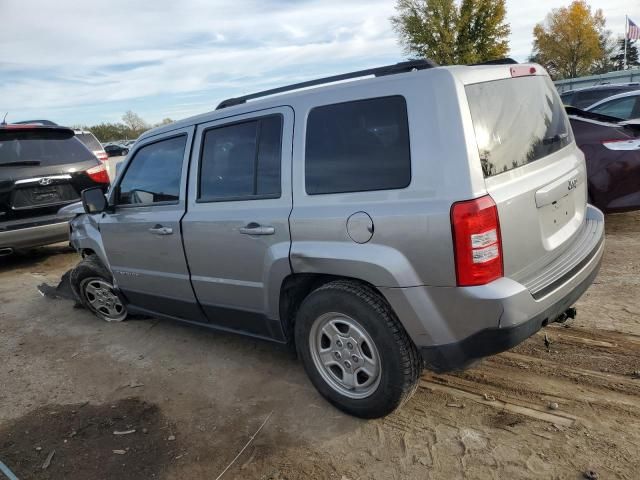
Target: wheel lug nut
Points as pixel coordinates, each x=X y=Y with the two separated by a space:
x=347 y=364
x=350 y=346
x=339 y=344
x=338 y=356
x=354 y=358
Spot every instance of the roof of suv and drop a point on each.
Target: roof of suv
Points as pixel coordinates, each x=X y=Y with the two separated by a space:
x=280 y=96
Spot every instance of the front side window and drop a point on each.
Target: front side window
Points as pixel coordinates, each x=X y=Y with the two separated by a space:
x=241 y=161
x=154 y=174
x=619 y=108
x=358 y=146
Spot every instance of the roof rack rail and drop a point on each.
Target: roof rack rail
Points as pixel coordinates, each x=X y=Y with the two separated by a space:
x=497 y=61
x=401 y=67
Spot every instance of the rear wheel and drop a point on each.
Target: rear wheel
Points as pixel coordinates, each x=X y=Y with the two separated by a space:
x=355 y=351
x=93 y=285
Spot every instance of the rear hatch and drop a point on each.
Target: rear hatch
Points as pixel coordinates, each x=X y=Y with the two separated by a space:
x=533 y=171
x=42 y=169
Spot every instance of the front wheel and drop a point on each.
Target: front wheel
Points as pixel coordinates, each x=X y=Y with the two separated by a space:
x=93 y=285
x=355 y=351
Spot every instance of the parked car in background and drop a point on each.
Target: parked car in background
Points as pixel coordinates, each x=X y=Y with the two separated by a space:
x=116 y=150
x=585 y=97
x=92 y=143
x=414 y=219
x=623 y=106
x=42 y=168
x=612 y=152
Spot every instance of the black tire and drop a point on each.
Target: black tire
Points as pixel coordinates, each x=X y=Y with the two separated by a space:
x=91 y=268
x=399 y=358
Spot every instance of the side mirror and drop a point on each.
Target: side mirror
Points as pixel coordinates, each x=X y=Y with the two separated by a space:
x=93 y=200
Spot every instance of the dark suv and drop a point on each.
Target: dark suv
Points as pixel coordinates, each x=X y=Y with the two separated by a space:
x=42 y=168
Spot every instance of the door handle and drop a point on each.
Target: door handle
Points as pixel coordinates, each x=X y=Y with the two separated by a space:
x=160 y=230
x=254 y=228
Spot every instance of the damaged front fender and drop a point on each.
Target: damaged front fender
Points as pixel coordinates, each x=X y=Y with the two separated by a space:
x=84 y=231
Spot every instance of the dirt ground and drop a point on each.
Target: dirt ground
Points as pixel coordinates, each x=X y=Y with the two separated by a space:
x=195 y=397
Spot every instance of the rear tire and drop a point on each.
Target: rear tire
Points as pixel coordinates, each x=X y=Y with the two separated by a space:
x=355 y=351
x=92 y=283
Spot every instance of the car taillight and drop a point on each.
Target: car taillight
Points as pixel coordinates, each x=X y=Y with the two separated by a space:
x=477 y=242
x=624 y=144
x=98 y=174
x=102 y=156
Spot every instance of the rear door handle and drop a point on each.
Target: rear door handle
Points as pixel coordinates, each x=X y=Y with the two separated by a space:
x=160 y=230
x=257 y=229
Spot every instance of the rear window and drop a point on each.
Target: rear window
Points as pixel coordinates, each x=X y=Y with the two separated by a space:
x=358 y=146
x=89 y=140
x=41 y=148
x=516 y=121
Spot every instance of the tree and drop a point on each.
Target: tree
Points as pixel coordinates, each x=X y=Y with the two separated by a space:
x=618 y=56
x=440 y=30
x=604 y=63
x=165 y=121
x=135 y=123
x=568 y=42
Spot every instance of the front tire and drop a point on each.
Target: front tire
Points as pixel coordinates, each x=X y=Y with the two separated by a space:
x=355 y=351
x=93 y=285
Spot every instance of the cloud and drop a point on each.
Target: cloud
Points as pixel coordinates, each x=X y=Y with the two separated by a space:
x=90 y=61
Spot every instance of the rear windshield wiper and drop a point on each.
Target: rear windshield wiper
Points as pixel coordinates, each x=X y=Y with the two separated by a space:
x=21 y=163
x=556 y=138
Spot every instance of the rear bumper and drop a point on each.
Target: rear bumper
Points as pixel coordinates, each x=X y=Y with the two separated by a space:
x=453 y=326
x=458 y=355
x=35 y=236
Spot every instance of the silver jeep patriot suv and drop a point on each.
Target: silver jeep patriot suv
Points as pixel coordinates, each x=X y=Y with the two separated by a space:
x=414 y=216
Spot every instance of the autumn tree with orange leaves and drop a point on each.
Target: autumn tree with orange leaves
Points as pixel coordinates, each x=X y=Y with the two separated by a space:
x=569 y=41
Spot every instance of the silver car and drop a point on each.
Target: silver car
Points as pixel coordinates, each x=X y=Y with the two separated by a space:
x=414 y=217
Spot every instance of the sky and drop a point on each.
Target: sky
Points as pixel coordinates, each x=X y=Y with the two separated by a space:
x=89 y=62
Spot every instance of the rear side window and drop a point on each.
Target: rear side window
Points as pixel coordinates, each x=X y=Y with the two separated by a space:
x=516 y=121
x=619 y=108
x=242 y=161
x=154 y=173
x=358 y=146
x=587 y=98
x=41 y=148
x=89 y=140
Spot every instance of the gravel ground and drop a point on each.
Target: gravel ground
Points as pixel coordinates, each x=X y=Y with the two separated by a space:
x=195 y=397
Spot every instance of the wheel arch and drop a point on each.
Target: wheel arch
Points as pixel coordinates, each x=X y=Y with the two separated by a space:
x=297 y=286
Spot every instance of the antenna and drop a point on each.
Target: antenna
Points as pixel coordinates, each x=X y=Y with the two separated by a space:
x=4 y=119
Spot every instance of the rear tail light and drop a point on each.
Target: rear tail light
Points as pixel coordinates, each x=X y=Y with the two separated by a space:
x=625 y=144
x=98 y=174
x=102 y=156
x=477 y=242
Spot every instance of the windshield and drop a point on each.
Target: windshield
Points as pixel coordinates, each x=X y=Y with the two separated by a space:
x=516 y=121
x=41 y=148
x=89 y=140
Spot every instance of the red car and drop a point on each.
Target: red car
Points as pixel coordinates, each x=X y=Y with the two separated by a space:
x=612 y=152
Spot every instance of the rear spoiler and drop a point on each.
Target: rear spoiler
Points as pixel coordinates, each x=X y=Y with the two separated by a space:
x=15 y=131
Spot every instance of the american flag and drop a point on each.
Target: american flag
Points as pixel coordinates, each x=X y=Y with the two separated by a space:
x=634 y=31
